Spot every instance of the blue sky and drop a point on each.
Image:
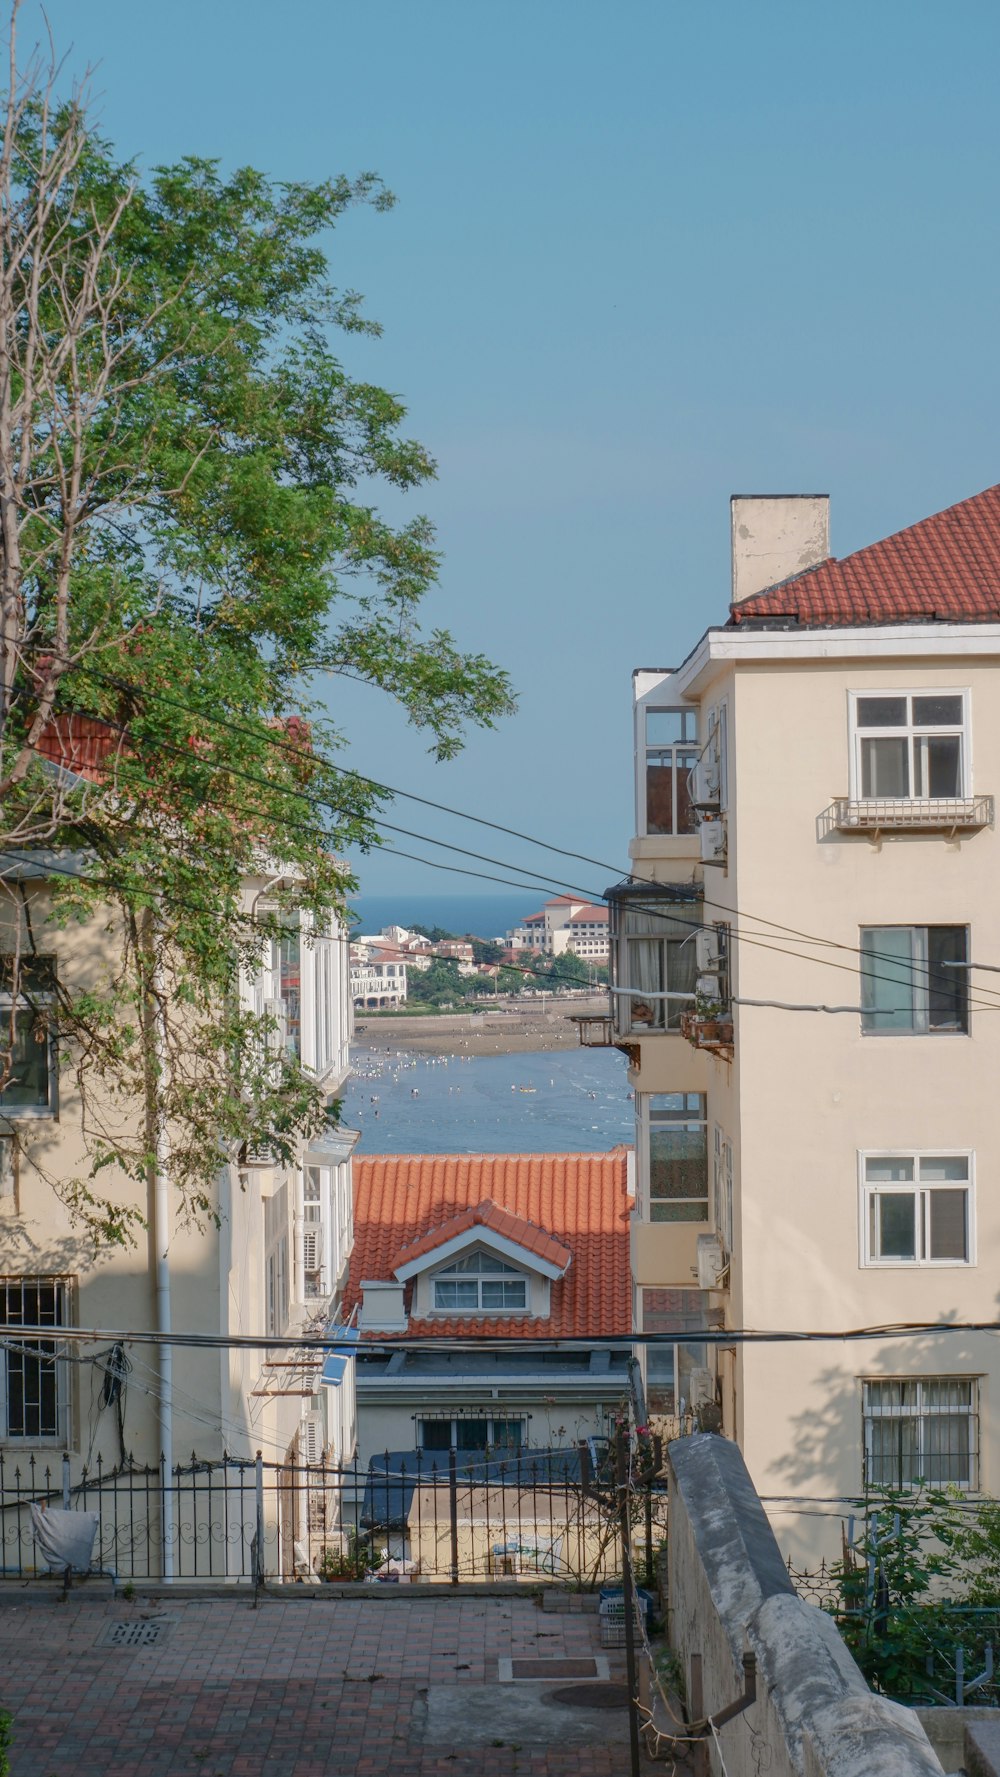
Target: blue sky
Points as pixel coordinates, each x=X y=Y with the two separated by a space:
x=646 y=254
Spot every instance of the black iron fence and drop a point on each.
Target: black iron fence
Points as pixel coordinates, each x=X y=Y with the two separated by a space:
x=447 y=1516
x=917 y=1652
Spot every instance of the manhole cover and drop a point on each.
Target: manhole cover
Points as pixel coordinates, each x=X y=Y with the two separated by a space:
x=554 y=1668
x=144 y=1632
x=592 y=1696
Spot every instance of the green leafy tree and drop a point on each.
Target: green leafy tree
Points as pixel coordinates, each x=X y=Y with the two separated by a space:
x=484 y=951
x=919 y=1581
x=189 y=553
x=440 y=983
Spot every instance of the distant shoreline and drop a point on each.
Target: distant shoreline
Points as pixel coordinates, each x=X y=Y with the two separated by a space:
x=476 y=1033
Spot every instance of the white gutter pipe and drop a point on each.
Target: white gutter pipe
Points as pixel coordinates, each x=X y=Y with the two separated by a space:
x=162 y=1230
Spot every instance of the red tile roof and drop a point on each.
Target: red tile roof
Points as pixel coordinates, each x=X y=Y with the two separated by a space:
x=944 y=569
x=501 y=1221
x=579 y=1201
x=590 y=916
x=81 y=744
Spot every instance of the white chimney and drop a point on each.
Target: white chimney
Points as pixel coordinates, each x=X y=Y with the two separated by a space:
x=382 y=1309
x=775 y=536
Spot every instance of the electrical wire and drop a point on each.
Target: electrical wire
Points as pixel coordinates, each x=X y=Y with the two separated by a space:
x=257 y=781
x=310 y=756
x=328 y=1341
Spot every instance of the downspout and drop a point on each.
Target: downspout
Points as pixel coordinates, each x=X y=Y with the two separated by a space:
x=298 y=1234
x=162 y=1229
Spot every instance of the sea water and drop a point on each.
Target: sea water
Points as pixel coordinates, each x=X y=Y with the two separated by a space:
x=563 y=1101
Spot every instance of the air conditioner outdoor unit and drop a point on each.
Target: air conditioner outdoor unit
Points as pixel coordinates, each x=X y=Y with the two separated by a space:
x=713 y=842
x=312 y=1246
x=311 y=1437
x=706 y=777
x=706 y=950
x=712 y=1262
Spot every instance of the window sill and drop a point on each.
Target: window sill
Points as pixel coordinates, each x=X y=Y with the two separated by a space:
x=867 y=1264
x=477 y=1314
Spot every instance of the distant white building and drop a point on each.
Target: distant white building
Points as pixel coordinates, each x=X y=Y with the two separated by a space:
x=564 y=923
x=378 y=975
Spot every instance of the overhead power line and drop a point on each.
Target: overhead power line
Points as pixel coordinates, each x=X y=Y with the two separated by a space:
x=298 y=793
x=309 y=755
x=330 y=1343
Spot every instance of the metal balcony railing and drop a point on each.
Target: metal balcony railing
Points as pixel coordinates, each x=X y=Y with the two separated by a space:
x=933 y=814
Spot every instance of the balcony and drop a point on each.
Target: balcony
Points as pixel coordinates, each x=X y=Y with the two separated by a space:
x=935 y=814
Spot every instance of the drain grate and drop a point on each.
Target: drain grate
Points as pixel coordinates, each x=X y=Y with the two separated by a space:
x=592 y=1696
x=524 y=1667
x=140 y=1632
x=554 y=1668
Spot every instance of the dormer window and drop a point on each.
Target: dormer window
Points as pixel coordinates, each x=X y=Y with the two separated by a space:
x=479 y=1281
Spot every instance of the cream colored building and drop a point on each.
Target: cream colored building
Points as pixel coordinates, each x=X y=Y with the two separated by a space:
x=274 y=1265
x=564 y=923
x=815 y=880
x=378 y=974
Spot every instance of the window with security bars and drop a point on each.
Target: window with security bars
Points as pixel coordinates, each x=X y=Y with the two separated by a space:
x=926 y=1429
x=33 y=1392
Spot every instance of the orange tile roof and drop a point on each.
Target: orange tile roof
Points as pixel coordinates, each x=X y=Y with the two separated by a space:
x=945 y=569
x=81 y=744
x=576 y=1201
x=488 y=1215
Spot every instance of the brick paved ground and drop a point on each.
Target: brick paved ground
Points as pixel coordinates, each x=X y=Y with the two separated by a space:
x=310 y=1688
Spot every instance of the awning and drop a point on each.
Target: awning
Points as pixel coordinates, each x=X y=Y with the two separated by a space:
x=339 y=1355
x=333 y=1147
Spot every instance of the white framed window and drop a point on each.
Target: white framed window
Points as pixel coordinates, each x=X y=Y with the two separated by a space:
x=28 y=1070
x=909 y=745
x=675 y=1131
x=276 y=1269
x=33 y=1382
x=914 y=980
x=670 y=744
x=921 y=1429
x=917 y=1209
x=477 y=1282
x=676 y=1366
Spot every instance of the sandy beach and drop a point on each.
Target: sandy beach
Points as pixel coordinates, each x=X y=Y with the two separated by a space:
x=511 y=1032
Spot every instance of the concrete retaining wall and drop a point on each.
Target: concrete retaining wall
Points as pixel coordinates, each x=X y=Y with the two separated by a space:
x=729 y=1592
